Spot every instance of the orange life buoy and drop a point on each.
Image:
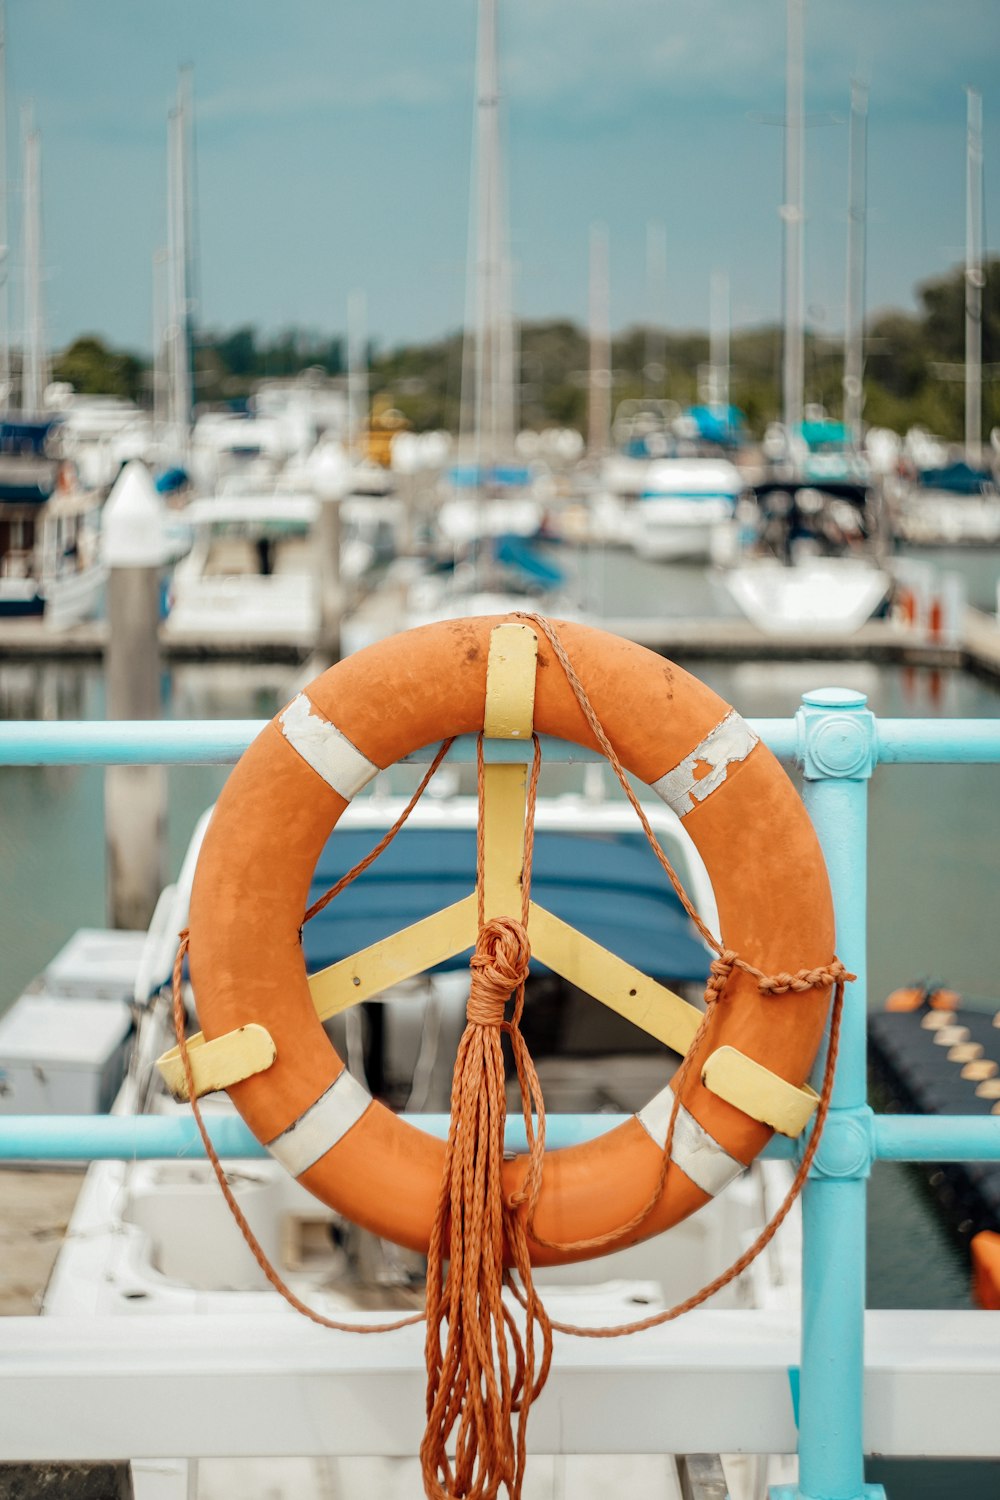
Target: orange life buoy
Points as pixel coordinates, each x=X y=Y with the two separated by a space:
x=285 y=797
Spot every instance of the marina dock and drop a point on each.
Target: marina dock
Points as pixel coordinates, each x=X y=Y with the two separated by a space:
x=883 y=641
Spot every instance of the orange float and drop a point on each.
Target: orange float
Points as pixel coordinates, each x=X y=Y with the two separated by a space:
x=285 y=797
x=985 y=1248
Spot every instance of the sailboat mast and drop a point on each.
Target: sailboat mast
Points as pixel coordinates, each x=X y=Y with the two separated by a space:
x=178 y=263
x=357 y=375
x=35 y=374
x=655 y=367
x=974 y=278
x=161 y=323
x=792 y=213
x=854 y=306
x=185 y=105
x=489 y=407
x=599 y=386
x=720 y=319
x=179 y=399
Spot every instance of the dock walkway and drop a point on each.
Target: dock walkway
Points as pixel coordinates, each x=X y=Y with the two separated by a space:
x=886 y=641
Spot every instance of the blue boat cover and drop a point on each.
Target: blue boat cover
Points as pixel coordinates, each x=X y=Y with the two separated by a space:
x=518 y=552
x=718 y=424
x=469 y=476
x=609 y=885
x=958 y=479
x=27 y=436
x=170 y=481
x=825 y=434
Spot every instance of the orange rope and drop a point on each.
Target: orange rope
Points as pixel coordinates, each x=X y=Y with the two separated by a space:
x=383 y=842
x=833 y=974
x=481 y=1371
x=774 y=1223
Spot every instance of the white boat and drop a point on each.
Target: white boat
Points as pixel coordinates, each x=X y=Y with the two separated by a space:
x=685 y=507
x=462 y=519
x=144 y=1352
x=817 y=596
x=236 y=448
x=252 y=572
x=49 y=529
x=954 y=505
x=249 y=570
x=409 y=595
x=100 y=433
x=806 y=561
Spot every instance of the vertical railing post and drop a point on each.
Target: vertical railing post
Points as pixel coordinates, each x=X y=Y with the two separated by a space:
x=837 y=751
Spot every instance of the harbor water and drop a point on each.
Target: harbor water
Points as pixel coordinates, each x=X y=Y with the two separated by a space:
x=934 y=833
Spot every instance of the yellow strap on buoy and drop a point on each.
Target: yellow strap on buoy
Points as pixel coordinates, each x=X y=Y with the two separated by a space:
x=216 y=1064
x=758 y=1092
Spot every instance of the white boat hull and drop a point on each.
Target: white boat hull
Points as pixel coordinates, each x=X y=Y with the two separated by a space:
x=679 y=530
x=245 y=608
x=817 y=597
x=949 y=520
x=74 y=597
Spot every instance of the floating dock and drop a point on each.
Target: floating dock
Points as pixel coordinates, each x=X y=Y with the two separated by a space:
x=886 y=641
x=945 y=1062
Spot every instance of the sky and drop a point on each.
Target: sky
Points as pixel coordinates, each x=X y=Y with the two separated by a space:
x=334 y=150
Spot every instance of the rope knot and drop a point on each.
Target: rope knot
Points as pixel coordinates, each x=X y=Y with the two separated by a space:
x=719 y=971
x=802 y=980
x=499 y=966
x=832 y=973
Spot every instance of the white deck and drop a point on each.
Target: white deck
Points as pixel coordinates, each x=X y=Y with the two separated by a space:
x=196 y=1386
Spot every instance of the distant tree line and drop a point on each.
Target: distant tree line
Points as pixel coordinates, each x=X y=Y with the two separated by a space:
x=913 y=367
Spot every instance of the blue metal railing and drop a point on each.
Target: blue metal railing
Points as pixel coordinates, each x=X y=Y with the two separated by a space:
x=837 y=743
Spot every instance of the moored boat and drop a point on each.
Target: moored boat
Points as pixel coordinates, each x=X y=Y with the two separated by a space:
x=49 y=565
x=954 y=505
x=685 y=507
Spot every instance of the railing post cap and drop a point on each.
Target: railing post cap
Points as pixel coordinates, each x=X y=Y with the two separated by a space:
x=836 y=735
x=834 y=697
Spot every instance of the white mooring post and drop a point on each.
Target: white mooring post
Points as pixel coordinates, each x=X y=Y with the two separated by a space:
x=331 y=480
x=406 y=462
x=135 y=797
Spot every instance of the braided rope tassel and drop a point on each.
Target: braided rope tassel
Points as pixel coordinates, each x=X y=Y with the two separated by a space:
x=481 y=1370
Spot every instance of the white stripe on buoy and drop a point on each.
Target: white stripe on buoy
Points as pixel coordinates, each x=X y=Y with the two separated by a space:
x=323 y=747
x=729 y=742
x=321 y=1126
x=697 y=1153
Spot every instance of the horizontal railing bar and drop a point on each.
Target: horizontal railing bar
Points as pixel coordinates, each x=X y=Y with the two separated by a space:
x=209 y=742
x=938 y=741
x=125 y=742
x=149 y=1137
x=221 y=741
x=86 y=1138
x=937 y=1137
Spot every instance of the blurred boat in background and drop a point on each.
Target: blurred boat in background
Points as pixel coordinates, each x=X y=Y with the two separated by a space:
x=49 y=527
